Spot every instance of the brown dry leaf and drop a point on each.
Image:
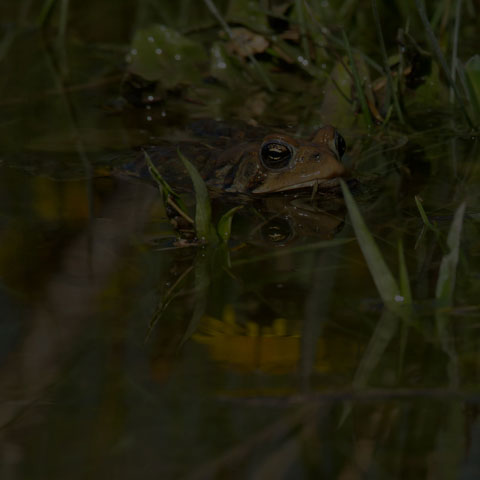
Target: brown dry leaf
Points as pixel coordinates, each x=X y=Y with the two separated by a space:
x=253 y=107
x=292 y=34
x=245 y=42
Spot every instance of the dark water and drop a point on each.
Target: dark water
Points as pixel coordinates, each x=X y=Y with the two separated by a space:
x=124 y=357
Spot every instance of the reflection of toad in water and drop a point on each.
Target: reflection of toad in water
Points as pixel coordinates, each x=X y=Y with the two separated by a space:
x=273 y=346
x=260 y=329
x=286 y=220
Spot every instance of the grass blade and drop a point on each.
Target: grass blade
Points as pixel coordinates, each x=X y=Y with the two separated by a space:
x=202 y=283
x=358 y=84
x=385 y=282
x=61 y=36
x=303 y=28
x=165 y=302
x=161 y=182
x=385 y=330
x=456 y=30
x=388 y=73
x=224 y=226
x=448 y=267
x=203 y=210
x=470 y=76
x=403 y=274
x=441 y=59
x=170 y=197
x=424 y=217
x=45 y=12
x=444 y=295
x=429 y=225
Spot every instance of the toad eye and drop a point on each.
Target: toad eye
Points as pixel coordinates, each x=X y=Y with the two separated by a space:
x=278 y=231
x=340 y=144
x=276 y=154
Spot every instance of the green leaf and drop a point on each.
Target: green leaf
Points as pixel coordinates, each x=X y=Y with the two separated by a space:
x=385 y=282
x=203 y=210
x=224 y=225
x=160 y=53
x=448 y=267
x=247 y=13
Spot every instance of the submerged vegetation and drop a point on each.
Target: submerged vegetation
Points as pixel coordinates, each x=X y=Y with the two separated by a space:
x=308 y=335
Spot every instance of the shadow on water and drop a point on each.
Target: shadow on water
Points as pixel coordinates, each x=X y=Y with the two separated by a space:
x=128 y=352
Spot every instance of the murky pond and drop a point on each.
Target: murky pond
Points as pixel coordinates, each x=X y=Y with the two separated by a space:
x=328 y=331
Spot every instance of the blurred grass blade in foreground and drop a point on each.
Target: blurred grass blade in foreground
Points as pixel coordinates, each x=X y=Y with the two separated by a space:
x=448 y=267
x=405 y=289
x=385 y=282
x=470 y=75
x=444 y=294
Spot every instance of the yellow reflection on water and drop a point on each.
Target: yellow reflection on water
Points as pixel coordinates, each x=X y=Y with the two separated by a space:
x=276 y=348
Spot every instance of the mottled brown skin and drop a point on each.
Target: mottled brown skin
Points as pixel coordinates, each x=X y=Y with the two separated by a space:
x=235 y=165
x=239 y=169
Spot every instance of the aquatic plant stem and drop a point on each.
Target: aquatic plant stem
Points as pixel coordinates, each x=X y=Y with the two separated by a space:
x=441 y=59
x=388 y=73
x=165 y=302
